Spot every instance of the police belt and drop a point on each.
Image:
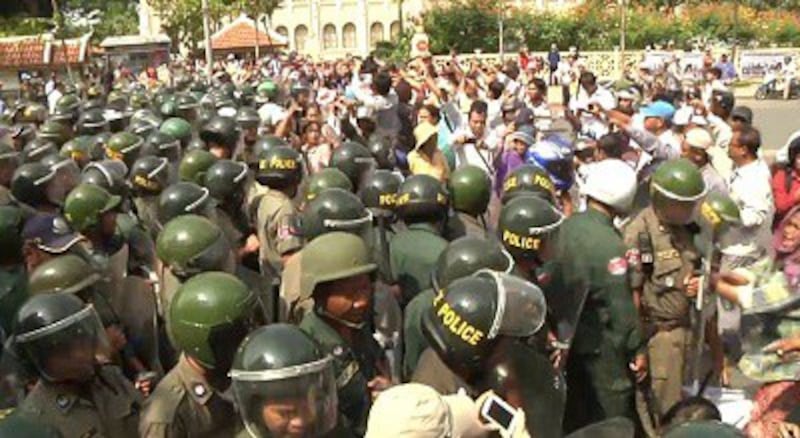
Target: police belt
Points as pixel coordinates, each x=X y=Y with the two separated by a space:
x=653 y=326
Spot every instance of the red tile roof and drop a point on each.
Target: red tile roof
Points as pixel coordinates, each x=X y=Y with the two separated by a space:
x=241 y=35
x=30 y=52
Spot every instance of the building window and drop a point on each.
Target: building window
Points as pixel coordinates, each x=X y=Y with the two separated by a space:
x=394 y=31
x=349 y=36
x=329 y=37
x=300 y=37
x=375 y=34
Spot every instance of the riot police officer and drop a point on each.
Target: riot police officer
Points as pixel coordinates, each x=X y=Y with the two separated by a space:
x=178 y=128
x=185 y=198
x=280 y=169
x=336 y=271
x=354 y=160
x=326 y=178
x=92 y=211
x=285 y=385
x=60 y=335
x=225 y=181
x=470 y=191
x=194 y=165
x=209 y=316
x=529 y=179
x=462 y=257
x=335 y=210
x=9 y=159
x=663 y=257
x=12 y=269
x=422 y=205
x=124 y=146
x=528 y=227
x=221 y=134
x=33 y=187
x=148 y=178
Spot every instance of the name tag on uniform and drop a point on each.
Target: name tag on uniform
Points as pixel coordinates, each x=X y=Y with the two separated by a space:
x=347 y=374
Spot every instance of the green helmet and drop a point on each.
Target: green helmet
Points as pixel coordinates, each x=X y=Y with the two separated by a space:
x=138 y=100
x=192 y=244
x=64 y=115
x=184 y=198
x=21 y=426
x=194 y=165
x=247 y=117
x=178 y=128
x=168 y=109
x=186 y=101
x=281 y=362
x=54 y=131
x=352 y=158
x=467 y=255
x=334 y=210
x=225 y=180
x=332 y=256
x=142 y=128
x=108 y=174
x=162 y=145
x=68 y=102
x=124 y=146
x=676 y=188
x=92 y=122
x=67 y=274
x=35 y=113
x=222 y=131
x=86 y=203
x=11 y=222
x=470 y=190
x=529 y=179
x=29 y=185
x=718 y=211
x=266 y=91
x=379 y=190
x=8 y=155
x=79 y=149
x=280 y=167
x=471 y=312
x=327 y=178
x=209 y=316
x=526 y=223
x=150 y=175
x=49 y=324
x=421 y=198
x=37 y=149
x=262 y=145
x=382 y=151
x=117 y=100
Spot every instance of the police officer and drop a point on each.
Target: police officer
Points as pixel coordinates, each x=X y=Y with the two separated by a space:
x=607 y=343
x=335 y=210
x=209 y=316
x=33 y=188
x=148 y=178
x=285 y=385
x=76 y=394
x=185 y=198
x=422 y=205
x=178 y=128
x=221 y=135
x=462 y=257
x=162 y=144
x=280 y=170
x=470 y=191
x=92 y=211
x=478 y=344
x=663 y=257
x=124 y=146
x=336 y=270
x=226 y=181
x=529 y=179
x=378 y=193
x=528 y=227
x=81 y=150
x=248 y=120
x=9 y=159
x=13 y=278
x=354 y=160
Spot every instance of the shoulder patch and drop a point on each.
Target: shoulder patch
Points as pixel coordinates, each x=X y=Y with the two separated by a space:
x=617 y=266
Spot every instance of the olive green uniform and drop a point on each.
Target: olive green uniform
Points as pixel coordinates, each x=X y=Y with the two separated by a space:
x=108 y=408
x=414 y=341
x=664 y=305
x=460 y=224
x=592 y=254
x=354 y=367
x=413 y=255
x=147 y=211
x=5 y=196
x=13 y=293
x=185 y=405
x=276 y=230
x=229 y=228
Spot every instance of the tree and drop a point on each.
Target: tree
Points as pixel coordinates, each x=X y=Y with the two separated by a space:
x=257 y=8
x=183 y=22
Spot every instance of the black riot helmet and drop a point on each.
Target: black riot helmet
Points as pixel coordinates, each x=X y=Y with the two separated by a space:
x=421 y=198
x=334 y=210
x=279 y=167
x=354 y=159
x=379 y=191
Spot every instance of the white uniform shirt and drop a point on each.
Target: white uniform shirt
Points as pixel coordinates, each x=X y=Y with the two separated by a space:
x=749 y=187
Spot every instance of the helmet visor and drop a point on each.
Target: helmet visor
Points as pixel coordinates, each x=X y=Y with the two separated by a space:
x=66 y=350
x=521 y=306
x=297 y=401
x=67 y=175
x=217 y=257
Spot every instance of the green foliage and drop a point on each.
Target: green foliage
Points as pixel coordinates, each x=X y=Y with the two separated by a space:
x=17 y=25
x=395 y=51
x=467 y=25
x=182 y=20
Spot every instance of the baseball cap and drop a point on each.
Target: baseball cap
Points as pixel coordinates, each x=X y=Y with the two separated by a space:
x=418 y=411
x=50 y=232
x=743 y=113
x=423 y=132
x=699 y=138
x=660 y=109
x=524 y=134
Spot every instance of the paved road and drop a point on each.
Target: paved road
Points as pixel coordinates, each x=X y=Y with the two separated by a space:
x=776 y=119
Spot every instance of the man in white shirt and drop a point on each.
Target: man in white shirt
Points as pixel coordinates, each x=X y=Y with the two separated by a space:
x=581 y=108
x=474 y=144
x=536 y=100
x=719 y=112
x=749 y=187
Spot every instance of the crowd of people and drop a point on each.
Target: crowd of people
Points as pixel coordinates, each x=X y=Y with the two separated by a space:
x=360 y=248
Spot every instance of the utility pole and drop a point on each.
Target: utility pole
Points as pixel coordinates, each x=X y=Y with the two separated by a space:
x=207 y=35
x=255 y=6
x=735 y=48
x=58 y=20
x=502 y=50
x=623 y=25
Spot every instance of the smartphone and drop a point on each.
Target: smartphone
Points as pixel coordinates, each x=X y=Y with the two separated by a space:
x=497 y=411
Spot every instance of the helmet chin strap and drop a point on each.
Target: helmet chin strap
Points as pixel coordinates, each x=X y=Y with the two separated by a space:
x=350 y=324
